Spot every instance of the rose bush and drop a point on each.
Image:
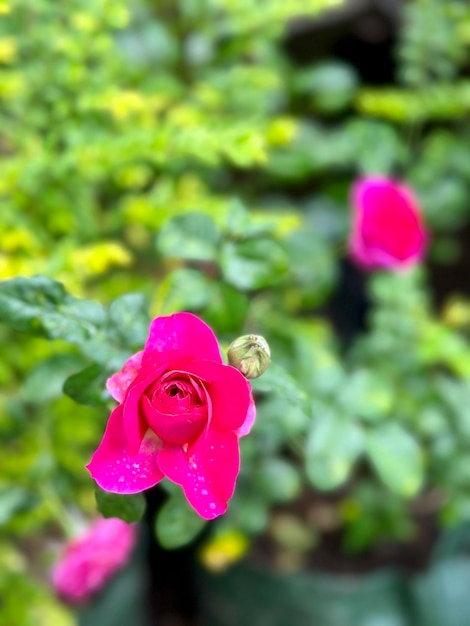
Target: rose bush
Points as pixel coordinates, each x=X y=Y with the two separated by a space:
x=180 y=414
x=88 y=562
x=387 y=230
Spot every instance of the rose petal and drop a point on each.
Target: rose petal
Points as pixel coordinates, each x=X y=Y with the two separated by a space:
x=118 y=384
x=229 y=391
x=183 y=332
x=249 y=420
x=115 y=469
x=89 y=561
x=207 y=471
x=135 y=425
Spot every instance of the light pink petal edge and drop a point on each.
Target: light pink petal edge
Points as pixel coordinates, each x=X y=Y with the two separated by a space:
x=118 y=384
x=247 y=425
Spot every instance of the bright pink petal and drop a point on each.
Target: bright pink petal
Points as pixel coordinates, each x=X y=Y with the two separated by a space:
x=118 y=384
x=183 y=332
x=249 y=420
x=135 y=425
x=229 y=391
x=387 y=226
x=207 y=471
x=134 y=422
x=115 y=469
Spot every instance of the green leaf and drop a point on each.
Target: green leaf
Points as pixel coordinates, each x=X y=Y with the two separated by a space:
x=312 y=266
x=366 y=394
x=226 y=309
x=279 y=418
x=184 y=290
x=177 y=524
x=331 y=85
x=241 y=224
x=248 y=511
x=278 y=381
x=129 y=320
x=42 y=306
x=192 y=236
x=12 y=499
x=334 y=445
x=396 y=457
x=88 y=386
x=374 y=145
x=278 y=480
x=129 y=508
x=253 y=264
x=46 y=380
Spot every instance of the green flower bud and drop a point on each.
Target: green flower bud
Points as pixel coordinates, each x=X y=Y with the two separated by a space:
x=250 y=354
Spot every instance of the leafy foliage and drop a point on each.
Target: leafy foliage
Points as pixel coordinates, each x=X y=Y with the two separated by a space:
x=165 y=156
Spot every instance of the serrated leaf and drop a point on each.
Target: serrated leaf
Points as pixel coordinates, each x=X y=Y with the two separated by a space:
x=396 y=457
x=253 y=264
x=184 y=290
x=249 y=512
x=12 y=499
x=312 y=265
x=241 y=224
x=226 y=308
x=129 y=508
x=366 y=394
x=334 y=445
x=278 y=381
x=88 y=386
x=46 y=380
x=177 y=524
x=278 y=480
x=332 y=85
x=42 y=306
x=279 y=418
x=192 y=236
x=128 y=320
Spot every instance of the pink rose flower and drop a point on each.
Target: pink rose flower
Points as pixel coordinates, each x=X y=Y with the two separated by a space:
x=88 y=562
x=388 y=231
x=180 y=415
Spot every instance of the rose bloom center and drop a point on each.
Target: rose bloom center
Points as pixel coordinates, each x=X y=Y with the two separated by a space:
x=176 y=407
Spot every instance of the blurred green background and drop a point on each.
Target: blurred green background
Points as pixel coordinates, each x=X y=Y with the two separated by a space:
x=200 y=153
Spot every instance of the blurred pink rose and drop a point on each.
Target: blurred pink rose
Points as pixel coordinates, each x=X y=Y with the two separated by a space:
x=180 y=415
x=388 y=231
x=88 y=562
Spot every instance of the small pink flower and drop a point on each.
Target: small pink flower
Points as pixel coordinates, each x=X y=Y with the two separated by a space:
x=88 y=562
x=180 y=415
x=388 y=231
